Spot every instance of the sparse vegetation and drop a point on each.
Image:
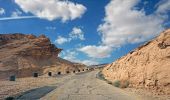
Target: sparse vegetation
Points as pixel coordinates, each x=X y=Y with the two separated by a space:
x=100 y=76
x=124 y=84
x=121 y=84
x=116 y=83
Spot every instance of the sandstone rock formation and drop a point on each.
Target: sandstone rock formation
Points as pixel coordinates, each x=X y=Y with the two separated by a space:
x=22 y=55
x=146 y=67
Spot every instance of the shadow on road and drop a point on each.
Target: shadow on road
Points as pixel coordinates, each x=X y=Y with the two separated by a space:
x=35 y=94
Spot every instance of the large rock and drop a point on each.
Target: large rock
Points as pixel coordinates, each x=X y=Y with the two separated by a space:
x=23 y=55
x=146 y=67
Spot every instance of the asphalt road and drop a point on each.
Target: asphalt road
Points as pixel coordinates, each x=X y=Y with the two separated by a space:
x=35 y=94
x=86 y=86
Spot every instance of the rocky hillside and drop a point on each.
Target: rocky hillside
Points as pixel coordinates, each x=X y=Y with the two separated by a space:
x=146 y=67
x=22 y=55
x=99 y=66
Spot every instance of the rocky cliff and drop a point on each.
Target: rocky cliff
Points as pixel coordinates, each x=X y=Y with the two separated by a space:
x=22 y=55
x=146 y=67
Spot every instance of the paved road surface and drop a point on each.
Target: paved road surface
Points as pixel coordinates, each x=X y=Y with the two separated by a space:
x=87 y=87
x=35 y=94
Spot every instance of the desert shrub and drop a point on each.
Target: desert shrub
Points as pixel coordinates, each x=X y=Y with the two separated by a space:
x=116 y=83
x=9 y=98
x=100 y=76
x=121 y=84
x=124 y=84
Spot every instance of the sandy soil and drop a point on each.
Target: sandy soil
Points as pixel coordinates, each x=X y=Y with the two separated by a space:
x=10 y=88
x=84 y=86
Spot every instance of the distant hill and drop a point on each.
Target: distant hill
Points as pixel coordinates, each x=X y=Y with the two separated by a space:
x=98 y=66
x=22 y=55
x=148 y=66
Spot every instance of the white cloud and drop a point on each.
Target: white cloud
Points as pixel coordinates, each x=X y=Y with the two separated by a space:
x=89 y=62
x=60 y=40
x=163 y=6
x=124 y=24
x=71 y=55
x=96 y=51
x=2 y=11
x=16 y=13
x=77 y=33
x=50 y=28
x=52 y=9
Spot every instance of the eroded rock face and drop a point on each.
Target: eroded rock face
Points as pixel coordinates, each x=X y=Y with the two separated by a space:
x=27 y=45
x=23 y=55
x=146 y=67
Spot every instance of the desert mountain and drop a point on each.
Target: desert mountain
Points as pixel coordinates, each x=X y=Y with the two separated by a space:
x=22 y=55
x=146 y=67
x=99 y=66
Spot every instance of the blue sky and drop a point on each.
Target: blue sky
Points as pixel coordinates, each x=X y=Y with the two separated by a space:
x=89 y=31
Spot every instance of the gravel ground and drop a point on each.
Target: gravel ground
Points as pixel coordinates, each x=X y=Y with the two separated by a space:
x=21 y=85
x=82 y=86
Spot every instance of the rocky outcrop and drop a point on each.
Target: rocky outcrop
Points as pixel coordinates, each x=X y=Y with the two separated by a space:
x=22 y=55
x=146 y=67
x=28 y=45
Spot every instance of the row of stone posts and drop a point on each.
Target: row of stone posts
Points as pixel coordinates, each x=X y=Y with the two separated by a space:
x=13 y=77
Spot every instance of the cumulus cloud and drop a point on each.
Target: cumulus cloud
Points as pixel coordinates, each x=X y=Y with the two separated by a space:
x=71 y=55
x=124 y=24
x=16 y=13
x=163 y=6
x=76 y=33
x=2 y=11
x=96 y=51
x=52 y=9
x=60 y=40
